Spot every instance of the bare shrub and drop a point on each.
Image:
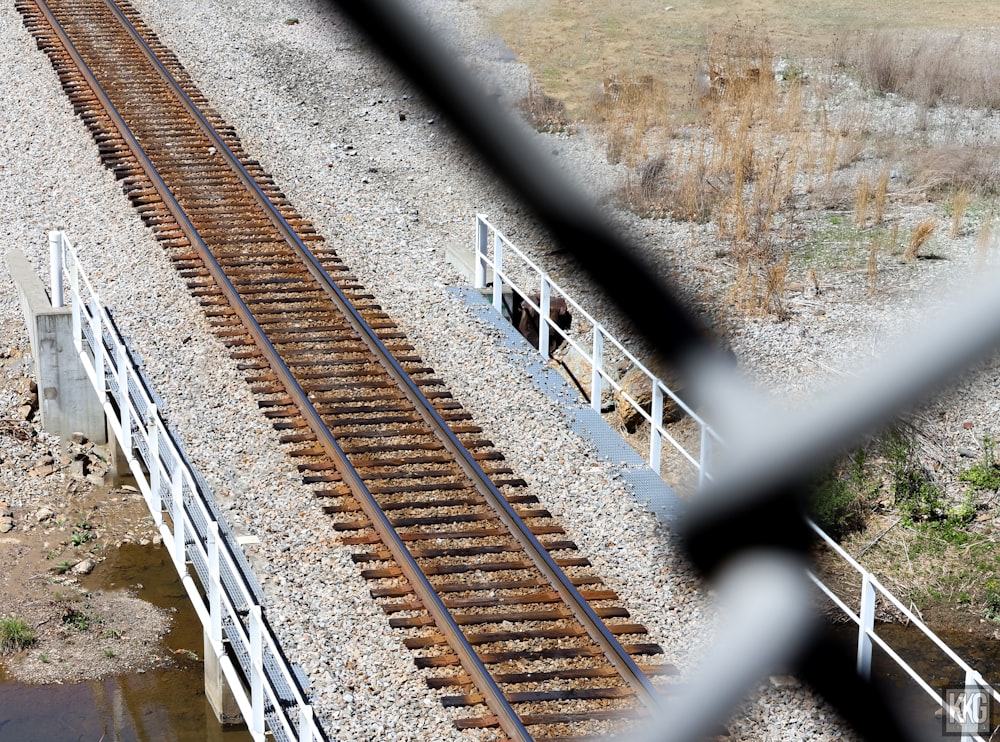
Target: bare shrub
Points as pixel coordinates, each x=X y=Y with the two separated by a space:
x=648 y=191
x=958 y=167
x=931 y=69
x=882 y=61
x=655 y=189
x=545 y=113
x=628 y=108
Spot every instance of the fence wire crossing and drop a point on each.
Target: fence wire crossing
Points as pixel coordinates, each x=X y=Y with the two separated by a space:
x=746 y=530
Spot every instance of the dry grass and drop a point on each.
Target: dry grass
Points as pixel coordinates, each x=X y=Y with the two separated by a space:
x=984 y=242
x=930 y=69
x=959 y=203
x=872 y=268
x=862 y=201
x=628 y=109
x=918 y=239
x=761 y=147
x=880 y=197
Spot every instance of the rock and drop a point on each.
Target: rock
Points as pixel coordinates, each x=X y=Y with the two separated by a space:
x=784 y=681
x=639 y=388
x=6 y=524
x=78 y=469
x=83 y=568
x=43 y=514
x=78 y=438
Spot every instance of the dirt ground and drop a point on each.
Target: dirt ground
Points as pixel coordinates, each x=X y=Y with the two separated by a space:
x=60 y=526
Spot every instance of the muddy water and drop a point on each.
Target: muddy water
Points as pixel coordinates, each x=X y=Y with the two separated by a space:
x=163 y=705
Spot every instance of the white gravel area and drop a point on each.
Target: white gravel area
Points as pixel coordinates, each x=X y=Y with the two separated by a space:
x=384 y=179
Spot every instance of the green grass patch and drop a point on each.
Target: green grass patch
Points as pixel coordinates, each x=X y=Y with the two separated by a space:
x=15 y=635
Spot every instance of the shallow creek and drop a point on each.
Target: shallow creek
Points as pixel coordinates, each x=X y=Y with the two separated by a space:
x=165 y=705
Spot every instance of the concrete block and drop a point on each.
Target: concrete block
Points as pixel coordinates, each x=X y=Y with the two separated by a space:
x=66 y=399
x=217 y=691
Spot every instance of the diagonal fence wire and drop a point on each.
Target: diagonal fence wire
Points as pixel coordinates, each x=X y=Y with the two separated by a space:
x=746 y=530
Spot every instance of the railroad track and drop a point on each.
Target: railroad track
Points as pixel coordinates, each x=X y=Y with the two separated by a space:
x=496 y=603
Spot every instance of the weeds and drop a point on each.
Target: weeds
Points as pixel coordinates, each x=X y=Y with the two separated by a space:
x=62 y=567
x=82 y=534
x=915 y=494
x=984 y=475
x=79 y=620
x=15 y=635
x=991 y=602
x=839 y=495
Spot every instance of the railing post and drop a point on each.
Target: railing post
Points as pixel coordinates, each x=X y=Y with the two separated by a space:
x=121 y=374
x=305 y=723
x=497 y=271
x=56 y=268
x=867 y=624
x=704 y=456
x=177 y=515
x=544 y=312
x=482 y=235
x=596 y=380
x=656 y=420
x=975 y=707
x=256 y=673
x=74 y=282
x=214 y=586
x=97 y=331
x=153 y=465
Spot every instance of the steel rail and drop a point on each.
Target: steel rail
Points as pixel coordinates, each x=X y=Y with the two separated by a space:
x=582 y=610
x=471 y=663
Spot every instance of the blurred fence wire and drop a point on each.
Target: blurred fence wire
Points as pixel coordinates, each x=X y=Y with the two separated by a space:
x=746 y=530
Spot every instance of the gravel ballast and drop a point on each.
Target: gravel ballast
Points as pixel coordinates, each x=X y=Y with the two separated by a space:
x=387 y=182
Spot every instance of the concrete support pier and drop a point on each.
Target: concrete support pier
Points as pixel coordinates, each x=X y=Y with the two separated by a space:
x=217 y=691
x=66 y=398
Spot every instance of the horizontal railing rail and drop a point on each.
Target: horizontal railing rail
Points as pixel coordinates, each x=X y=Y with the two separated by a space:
x=498 y=254
x=226 y=596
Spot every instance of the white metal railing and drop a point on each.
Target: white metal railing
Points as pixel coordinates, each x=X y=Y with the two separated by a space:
x=976 y=686
x=231 y=609
x=497 y=255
